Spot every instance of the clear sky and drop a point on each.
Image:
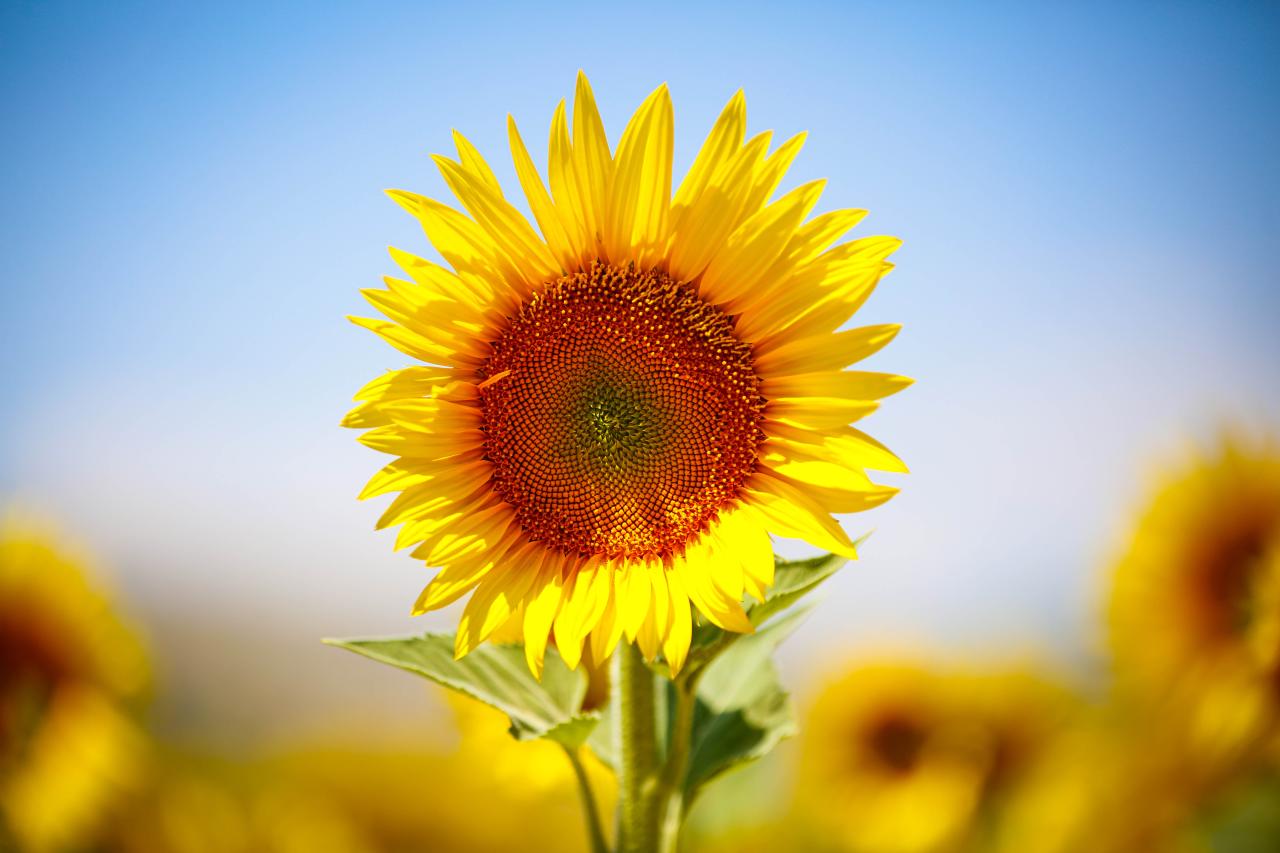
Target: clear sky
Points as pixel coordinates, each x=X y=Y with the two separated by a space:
x=1089 y=195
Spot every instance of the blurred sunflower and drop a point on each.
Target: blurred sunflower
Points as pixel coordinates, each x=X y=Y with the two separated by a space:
x=192 y=804
x=1111 y=783
x=520 y=770
x=68 y=668
x=902 y=758
x=614 y=415
x=1195 y=602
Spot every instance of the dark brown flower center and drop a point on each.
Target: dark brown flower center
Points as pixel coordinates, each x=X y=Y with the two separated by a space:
x=896 y=743
x=621 y=414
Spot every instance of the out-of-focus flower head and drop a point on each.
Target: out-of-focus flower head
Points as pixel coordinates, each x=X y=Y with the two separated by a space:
x=69 y=669
x=904 y=758
x=1112 y=783
x=193 y=804
x=520 y=770
x=1194 y=610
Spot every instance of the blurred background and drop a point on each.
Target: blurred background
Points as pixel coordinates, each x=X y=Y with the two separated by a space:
x=1088 y=196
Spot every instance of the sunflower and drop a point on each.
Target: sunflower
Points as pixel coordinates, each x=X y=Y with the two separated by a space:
x=906 y=758
x=1194 y=608
x=1114 y=782
x=68 y=670
x=613 y=415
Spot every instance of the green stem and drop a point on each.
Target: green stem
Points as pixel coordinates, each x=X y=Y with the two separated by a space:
x=595 y=830
x=637 y=749
x=670 y=795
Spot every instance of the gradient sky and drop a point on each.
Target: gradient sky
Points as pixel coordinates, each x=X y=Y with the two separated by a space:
x=1088 y=195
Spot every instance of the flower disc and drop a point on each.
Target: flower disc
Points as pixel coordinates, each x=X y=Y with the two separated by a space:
x=621 y=413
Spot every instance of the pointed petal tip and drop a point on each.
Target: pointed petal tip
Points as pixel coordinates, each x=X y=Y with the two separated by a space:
x=535 y=667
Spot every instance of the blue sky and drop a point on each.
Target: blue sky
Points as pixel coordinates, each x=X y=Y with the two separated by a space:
x=1088 y=195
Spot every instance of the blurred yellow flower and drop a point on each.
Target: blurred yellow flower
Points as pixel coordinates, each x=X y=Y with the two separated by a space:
x=902 y=758
x=68 y=665
x=613 y=416
x=1194 y=610
x=334 y=798
x=1111 y=783
x=521 y=769
x=202 y=805
x=407 y=799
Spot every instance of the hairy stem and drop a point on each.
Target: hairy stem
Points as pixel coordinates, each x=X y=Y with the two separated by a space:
x=670 y=795
x=637 y=751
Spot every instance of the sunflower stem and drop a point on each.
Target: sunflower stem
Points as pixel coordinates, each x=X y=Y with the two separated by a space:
x=670 y=798
x=638 y=750
x=595 y=830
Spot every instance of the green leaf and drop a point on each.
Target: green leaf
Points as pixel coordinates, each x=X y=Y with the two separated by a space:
x=792 y=580
x=741 y=710
x=496 y=675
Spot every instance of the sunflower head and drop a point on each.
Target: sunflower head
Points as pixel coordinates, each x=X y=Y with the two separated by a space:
x=900 y=757
x=1110 y=784
x=613 y=412
x=68 y=669
x=1195 y=600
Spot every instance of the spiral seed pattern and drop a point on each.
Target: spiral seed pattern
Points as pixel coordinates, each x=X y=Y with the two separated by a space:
x=621 y=414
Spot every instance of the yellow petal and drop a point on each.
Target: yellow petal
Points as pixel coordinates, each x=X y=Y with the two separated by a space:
x=541 y=607
x=436 y=498
x=722 y=142
x=711 y=601
x=605 y=635
x=824 y=352
x=581 y=609
x=474 y=291
x=675 y=646
x=563 y=181
x=636 y=226
x=493 y=602
x=409 y=343
x=403 y=473
x=742 y=534
x=504 y=225
x=846 y=384
x=482 y=529
x=475 y=164
x=818 y=296
x=540 y=203
x=397 y=441
x=715 y=213
x=818 y=413
x=407 y=382
x=592 y=163
x=770 y=173
x=790 y=512
x=750 y=250
x=633 y=594
x=472 y=252
x=451 y=583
